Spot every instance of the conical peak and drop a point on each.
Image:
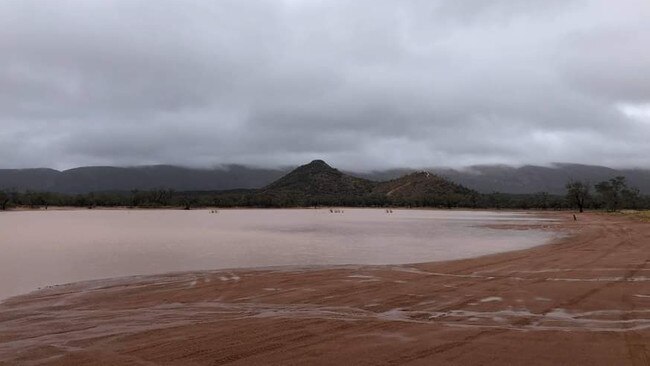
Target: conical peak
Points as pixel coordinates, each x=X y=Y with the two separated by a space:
x=319 y=162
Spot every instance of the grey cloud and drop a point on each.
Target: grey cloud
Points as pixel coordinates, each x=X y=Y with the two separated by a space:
x=363 y=84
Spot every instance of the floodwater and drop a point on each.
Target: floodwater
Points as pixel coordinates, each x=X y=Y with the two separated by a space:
x=40 y=248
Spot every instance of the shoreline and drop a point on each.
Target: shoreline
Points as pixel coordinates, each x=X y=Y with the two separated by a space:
x=200 y=208
x=581 y=296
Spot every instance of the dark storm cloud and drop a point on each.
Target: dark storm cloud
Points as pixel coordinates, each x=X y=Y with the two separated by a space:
x=364 y=84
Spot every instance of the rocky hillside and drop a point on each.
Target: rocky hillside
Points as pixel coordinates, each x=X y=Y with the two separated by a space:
x=317 y=183
x=418 y=186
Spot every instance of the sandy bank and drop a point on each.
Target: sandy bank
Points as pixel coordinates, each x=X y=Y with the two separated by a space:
x=581 y=300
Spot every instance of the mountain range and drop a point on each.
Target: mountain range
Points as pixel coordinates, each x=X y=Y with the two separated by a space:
x=484 y=179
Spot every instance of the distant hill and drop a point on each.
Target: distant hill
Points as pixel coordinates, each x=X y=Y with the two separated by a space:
x=485 y=179
x=419 y=186
x=532 y=179
x=102 y=179
x=29 y=179
x=319 y=179
x=525 y=179
x=317 y=183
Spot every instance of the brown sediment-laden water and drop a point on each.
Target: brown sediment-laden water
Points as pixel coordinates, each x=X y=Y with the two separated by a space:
x=41 y=248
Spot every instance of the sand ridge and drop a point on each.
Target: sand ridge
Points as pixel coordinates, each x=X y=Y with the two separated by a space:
x=584 y=299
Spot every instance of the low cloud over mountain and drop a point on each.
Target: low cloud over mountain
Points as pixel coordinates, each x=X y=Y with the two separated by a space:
x=367 y=84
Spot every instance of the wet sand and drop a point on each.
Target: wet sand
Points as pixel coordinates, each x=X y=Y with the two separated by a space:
x=582 y=300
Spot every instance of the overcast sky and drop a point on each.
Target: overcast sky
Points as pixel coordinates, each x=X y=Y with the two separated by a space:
x=363 y=84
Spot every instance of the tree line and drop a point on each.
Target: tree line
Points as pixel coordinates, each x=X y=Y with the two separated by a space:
x=611 y=195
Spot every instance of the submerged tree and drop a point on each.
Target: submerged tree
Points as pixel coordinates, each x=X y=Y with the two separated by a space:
x=578 y=194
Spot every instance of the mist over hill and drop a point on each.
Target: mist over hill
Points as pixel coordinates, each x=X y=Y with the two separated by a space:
x=525 y=179
x=484 y=179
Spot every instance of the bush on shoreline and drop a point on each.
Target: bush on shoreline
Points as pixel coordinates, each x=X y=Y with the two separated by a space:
x=250 y=198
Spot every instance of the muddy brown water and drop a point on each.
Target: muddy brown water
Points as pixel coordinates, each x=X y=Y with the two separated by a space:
x=41 y=248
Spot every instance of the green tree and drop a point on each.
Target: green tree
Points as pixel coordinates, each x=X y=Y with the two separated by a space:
x=577 y=195
x=611 y=192
x=541 y=200
x=136 y=198
x=631 y=197
x=4 y=200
